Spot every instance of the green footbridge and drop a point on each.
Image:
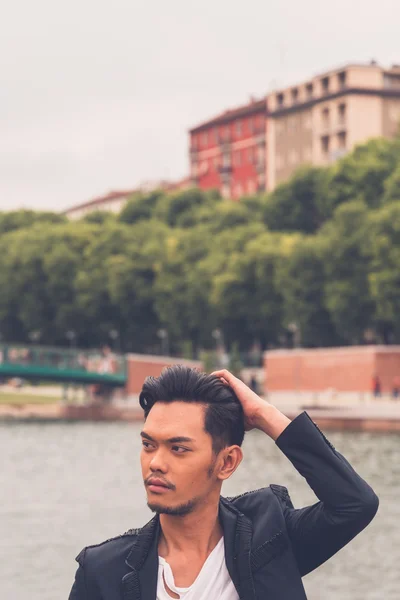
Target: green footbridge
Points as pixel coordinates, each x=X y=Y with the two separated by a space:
x=70 y=366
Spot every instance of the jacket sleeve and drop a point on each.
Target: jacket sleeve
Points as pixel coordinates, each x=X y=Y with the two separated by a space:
x=79 y=591
x=346 y=502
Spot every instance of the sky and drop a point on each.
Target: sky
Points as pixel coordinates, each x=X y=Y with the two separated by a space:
x=98 y=96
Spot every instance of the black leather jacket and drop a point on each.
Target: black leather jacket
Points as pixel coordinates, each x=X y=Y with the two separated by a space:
x=269 y=545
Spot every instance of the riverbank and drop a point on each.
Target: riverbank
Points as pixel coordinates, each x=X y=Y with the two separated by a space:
x=378 y=416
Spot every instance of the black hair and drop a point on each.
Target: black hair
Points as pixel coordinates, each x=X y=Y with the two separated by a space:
x=223 y=419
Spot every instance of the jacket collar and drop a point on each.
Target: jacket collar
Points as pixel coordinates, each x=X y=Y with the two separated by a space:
x=141 y=582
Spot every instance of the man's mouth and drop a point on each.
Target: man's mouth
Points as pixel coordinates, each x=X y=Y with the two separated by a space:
x=157 y=486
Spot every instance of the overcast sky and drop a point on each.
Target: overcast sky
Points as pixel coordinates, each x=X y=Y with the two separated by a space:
x=98 y=95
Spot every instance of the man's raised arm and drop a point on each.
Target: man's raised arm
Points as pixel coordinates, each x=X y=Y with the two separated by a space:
x=346 y=502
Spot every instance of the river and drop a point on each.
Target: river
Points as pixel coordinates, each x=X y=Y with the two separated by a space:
x=64 y=486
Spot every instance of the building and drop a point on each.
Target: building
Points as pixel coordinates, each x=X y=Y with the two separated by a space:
x=228 y=152
x=321 y=119
x=112 y=202
x=349 y=369
x=115 y=201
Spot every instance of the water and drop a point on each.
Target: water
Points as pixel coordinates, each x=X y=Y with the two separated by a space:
x=66 y=486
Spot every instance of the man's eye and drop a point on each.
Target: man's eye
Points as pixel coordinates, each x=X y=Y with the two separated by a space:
x=146 y=445
x=179 y=449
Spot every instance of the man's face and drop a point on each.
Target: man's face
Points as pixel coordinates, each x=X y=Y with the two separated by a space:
x=177 y=452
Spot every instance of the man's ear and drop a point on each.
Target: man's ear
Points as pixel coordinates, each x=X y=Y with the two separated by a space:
x=228 y=461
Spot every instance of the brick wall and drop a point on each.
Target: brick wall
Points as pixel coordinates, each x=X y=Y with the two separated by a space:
x=343 y=369
x=141 y=366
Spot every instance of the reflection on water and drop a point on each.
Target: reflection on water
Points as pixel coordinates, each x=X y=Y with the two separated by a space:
x=66 y=486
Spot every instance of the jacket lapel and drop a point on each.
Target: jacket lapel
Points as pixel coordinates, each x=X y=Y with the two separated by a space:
x=237 y=540
x=141 y=582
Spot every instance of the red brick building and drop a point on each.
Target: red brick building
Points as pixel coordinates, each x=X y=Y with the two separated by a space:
x=348 y=369
x=228 y=152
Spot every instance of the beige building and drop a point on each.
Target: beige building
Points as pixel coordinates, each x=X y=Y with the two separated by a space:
x=112 y=202
x=319 y=120
x=115 y=201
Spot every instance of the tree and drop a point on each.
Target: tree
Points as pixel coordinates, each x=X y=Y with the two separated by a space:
x=298 y=204
x=383 y=247
x=179 y=209
x=301 y=279
x=21 y=219
x=347 y=292
x=99 y=217
x=363 y=172
x=182 y=286
x=141 y=206
x=392 y=186
x=37 y=273
x=244 y=293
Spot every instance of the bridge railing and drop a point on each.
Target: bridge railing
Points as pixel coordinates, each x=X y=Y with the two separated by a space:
x=93 y=361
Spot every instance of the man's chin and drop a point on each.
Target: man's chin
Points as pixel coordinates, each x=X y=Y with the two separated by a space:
x=177 y=511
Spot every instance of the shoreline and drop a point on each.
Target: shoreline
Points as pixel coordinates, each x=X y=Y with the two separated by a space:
x=372 y=418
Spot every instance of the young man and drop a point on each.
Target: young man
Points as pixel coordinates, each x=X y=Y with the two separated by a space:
x=201 y=546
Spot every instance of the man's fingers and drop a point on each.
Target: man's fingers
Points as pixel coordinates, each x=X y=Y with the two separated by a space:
x=223 y=375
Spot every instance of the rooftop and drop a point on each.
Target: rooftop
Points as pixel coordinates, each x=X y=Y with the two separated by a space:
x=255 y=106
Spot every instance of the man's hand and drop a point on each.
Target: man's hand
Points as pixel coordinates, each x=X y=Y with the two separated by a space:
x=258 y=413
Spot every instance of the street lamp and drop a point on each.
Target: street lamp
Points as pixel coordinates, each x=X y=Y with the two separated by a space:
x=114 y=335
x=35 y=336
x=71 y=337
x=222 y=357
x=163 y=335
x=295 y=331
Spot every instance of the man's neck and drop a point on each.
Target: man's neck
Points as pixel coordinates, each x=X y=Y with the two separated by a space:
x=197 y=532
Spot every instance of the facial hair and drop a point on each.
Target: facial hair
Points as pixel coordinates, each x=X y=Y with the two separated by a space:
x=182 y=509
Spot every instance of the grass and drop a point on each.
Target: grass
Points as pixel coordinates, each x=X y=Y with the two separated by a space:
x=20 y=398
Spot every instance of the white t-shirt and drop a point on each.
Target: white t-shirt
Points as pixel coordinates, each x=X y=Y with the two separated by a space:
x=213 y=581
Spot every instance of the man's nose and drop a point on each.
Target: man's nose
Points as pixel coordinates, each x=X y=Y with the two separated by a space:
x=158 y=461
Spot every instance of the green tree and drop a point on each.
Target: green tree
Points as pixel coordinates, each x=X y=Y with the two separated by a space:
x=363 y=172
x=298 y=204
x=20 y=219
x=99 y=217
x=141 y=206
x=347 y=292
x=301 y=279
x=179 y=209
x=383 y=247
x=392 y=186
x=247 y=301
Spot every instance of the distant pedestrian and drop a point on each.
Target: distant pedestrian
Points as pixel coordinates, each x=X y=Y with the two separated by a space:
x=396 y=387
x=376 y=386
x=253 y=385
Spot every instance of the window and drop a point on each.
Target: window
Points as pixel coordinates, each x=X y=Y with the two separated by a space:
x=238 y=190
x=341 y=114
x=325 y=85
x=226 y=190
x=251 y=125
x=325 y=118
x=295 y=95
x=391 y=81
x=280 y=99
x=309 y=90
x=239 y=128
x=226 y=160
x=250 y=155
x=325 y=143
x=216 y=162
x=205 y=138
x=251 y=186
x=342 y=79
x=238 y=158
x=342 y=140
